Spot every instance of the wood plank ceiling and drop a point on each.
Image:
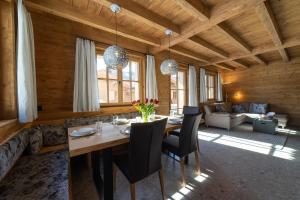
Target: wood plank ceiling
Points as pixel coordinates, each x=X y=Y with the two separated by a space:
x=227 y=34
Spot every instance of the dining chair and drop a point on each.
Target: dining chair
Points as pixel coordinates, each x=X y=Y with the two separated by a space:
x=187 y=110
x=144 y=153
x=185 y=141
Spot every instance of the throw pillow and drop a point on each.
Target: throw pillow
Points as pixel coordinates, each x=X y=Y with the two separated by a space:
x=258 y=108
x=53 y=135
x=35 y=140
x=240 y=108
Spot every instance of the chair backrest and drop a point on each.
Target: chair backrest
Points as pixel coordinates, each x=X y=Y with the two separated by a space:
x=145 y=148
x=189 y=131
x=191 y=110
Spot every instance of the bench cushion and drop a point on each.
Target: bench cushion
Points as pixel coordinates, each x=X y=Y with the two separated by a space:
x=54 y=135
x=11 y=151
x=43 y=176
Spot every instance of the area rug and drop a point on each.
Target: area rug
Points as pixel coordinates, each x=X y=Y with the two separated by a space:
x=243 y=134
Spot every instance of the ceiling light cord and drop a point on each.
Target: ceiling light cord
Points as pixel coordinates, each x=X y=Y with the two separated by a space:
x=169 y=47
x=116 y=22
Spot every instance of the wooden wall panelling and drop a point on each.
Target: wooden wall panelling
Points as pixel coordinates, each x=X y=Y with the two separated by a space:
x=8 y=106
x=55 y=40
x=277 y=84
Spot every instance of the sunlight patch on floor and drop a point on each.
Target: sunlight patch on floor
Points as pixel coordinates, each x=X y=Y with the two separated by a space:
x=249 y=145
x=285 y=152
x=287 y=131
x=201 y=178
x=188 y=188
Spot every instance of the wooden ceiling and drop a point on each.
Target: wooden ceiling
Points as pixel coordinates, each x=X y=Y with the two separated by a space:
x=228 y=34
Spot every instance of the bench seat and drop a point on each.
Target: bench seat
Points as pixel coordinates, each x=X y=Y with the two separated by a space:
x=42 y=176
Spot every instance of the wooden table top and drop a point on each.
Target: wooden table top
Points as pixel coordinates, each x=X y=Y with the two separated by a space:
x=109 y=137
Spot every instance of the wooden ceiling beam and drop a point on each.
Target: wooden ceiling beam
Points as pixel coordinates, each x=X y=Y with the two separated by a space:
x=268 y=19
x=142 y=14
x=239 y=64
x=189 y=53
x=195 y=7
x=291 y=42
x=69 y=12
x=239 y=42
x=207 y=46
x=224 y=66
x=219 y=13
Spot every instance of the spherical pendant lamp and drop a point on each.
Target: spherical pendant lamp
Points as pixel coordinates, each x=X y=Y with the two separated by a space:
x=115 y=55
x=169 y=66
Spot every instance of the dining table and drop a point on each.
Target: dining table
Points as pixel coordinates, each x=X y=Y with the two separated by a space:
x=100 y=146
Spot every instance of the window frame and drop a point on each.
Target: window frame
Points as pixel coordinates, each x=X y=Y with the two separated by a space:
x=185 y=89
x=207 y=86
x=132 y=57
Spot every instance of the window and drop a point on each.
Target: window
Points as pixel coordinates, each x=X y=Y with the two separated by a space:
x=178 y=97
x=119 y=86
x=210 y=86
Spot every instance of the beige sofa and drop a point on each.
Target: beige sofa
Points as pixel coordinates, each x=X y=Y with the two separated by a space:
x=227 y=115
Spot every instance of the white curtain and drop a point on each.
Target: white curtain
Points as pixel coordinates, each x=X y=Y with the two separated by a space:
x=203 y=97
x=151 y=85
x=86 y=95
x=192 y=86
x=26 y=77
x=219 y=88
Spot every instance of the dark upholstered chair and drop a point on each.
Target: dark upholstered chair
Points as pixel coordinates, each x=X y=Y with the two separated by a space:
x=144 y=153
x=187 y=110
x=185 y=141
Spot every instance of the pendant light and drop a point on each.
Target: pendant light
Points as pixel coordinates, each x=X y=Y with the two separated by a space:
x=169 y=66
x=115 y=55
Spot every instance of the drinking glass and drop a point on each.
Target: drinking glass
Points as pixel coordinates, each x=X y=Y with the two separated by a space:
x=138 y=119
x=99 y=125
x=115 y=118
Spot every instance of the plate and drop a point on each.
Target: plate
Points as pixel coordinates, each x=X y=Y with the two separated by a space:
x=83 y=132
x=122 y=121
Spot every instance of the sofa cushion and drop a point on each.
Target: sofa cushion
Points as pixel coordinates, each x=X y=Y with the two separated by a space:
x=11 y=151
x=224 y=107
x=43 y=176
x=240 y=108
x=35 y=140
x=53 y=135
x=258 y=108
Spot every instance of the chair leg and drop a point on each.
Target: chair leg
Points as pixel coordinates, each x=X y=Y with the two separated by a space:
x=182 y=171
x=198 y=148
x=161 y=180
x=114 y=177
x=132 y=191
x=197 y=162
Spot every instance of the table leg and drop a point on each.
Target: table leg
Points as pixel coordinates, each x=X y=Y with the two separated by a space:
x=96 y=171
x=108 y=174
x=186 y=160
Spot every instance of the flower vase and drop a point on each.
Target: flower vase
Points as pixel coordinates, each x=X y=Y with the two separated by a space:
x=145 y=117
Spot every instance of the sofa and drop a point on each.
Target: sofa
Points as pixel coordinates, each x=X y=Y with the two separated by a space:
x=228 y=115
x=27 y=171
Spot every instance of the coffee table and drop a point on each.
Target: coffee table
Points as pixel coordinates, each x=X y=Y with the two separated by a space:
x=265 y=125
